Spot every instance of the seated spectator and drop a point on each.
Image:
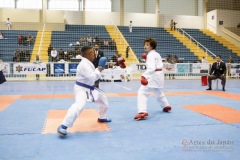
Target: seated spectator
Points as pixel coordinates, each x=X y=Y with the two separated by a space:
x=77 y=52
x=77 y=47
x=96 y=39
x=24 y=41
x=70 y=45
x=54 y=55
x=22 y=55
x=61 y=54
x=77 y=43
x=113 y=60
x=30 y=39
x=78 y=56
x=68 y=55
x=120 y=61
x=27 y=55
x=175 y=59
x=105 y=44
x=16 y=56
x=114 y=57
x=1 y=35
x=110 y=65
x=50 y=48
x=83 y=41
x=80 y=42
x=20 y=40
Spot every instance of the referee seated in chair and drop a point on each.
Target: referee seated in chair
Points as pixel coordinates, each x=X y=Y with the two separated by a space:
x=218 y=71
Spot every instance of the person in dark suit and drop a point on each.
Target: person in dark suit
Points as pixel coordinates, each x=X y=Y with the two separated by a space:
x=218 y=70
x=98 y=55
x=2 y=77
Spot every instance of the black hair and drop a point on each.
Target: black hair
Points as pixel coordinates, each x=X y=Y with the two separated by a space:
x=84 y=50
x=153 y=42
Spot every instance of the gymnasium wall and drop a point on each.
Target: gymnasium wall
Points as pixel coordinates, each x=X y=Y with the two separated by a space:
x=20 y=15
x=172 y=7
x=223 y=4
x=179 y=7
x=55 y=16
x=101 y=18
x=230 y=18
x=141 y=12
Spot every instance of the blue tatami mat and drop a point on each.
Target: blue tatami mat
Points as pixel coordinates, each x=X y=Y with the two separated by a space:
x=181 y=134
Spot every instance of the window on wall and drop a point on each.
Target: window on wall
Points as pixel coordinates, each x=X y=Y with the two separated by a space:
x=98 y=5
x=63 y=5
x=7 y=4
x=29 y=4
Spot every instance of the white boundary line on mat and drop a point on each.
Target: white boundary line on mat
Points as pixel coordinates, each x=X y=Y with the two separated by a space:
x=123 y=86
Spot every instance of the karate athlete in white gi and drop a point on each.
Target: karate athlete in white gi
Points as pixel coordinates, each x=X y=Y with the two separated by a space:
x=85 y=77
x=8 y=24
x=152 y=80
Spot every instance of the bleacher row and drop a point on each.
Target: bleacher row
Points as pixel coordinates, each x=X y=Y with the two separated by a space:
x=212 y=44
x=10 y=43
x=67 y=39
x=167 y=43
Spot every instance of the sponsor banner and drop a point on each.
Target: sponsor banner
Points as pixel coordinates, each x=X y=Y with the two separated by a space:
x=5 y=67
x=29 y=68
x=58 y=68
x=112 y=74
x=235 y=68
x=139 y=68
x=72 y=68
x=169 y=68
x=106 y=74
x=183 y=67
x=200 y=67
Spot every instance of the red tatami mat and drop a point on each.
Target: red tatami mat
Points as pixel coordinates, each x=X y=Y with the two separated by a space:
x=86 y=122
x=221 y=113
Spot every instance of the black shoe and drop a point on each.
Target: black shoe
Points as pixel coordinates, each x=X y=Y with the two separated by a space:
x=223 y=89
x=209 y=89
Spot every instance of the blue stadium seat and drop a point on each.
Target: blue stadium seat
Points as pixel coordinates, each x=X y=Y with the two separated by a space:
x=213 y=45
x=73 y=33
x=167 y=44
x=10 y=43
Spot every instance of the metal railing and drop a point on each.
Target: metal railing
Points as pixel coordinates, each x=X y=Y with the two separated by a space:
x=40 y=45
x=125 y=43
x=231 y=34
x=195 y=41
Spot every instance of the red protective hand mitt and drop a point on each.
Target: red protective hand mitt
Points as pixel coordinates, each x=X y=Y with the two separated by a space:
x=144 y=81
x=144 y=56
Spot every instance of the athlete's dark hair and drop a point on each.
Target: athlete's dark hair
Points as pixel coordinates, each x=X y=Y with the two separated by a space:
x=152 y=42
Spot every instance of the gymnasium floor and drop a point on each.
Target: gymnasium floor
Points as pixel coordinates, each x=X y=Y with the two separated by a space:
x=202 y=125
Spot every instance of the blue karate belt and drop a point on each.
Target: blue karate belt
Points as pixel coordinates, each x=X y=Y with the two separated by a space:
x=89 y=87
